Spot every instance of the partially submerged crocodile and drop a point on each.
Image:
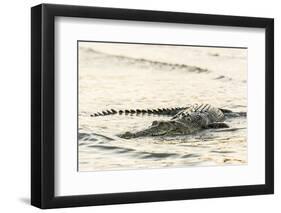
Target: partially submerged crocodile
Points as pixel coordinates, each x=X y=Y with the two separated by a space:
x=185 y=120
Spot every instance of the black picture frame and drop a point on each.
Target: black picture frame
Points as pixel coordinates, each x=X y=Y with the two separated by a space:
x=43 y=102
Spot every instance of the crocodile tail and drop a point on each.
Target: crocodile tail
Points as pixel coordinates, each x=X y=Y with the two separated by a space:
x=158 y=111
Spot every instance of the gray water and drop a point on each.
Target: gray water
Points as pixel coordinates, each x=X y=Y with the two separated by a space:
x=128 y=76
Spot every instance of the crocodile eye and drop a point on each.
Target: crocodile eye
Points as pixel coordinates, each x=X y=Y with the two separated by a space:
x=154 y=123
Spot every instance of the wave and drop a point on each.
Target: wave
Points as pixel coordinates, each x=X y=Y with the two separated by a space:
x=93 y=137
x=142 y=62
x=224 y=78
x=133 y=152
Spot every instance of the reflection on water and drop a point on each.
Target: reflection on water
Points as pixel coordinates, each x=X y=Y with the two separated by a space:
x=122 y=76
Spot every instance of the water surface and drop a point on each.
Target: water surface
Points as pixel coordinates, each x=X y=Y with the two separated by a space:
x=128 y=76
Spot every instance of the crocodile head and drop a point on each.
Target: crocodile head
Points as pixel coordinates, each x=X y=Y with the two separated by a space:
x=158 y=128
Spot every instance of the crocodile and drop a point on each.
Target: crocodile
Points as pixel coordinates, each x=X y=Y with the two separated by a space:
x=184 y=120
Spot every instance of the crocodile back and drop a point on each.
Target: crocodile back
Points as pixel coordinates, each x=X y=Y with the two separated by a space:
x=199 y=113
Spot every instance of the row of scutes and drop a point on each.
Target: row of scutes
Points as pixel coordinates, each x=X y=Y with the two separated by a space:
x=159 y=111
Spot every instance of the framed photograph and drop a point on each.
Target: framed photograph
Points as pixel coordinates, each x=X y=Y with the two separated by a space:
x=139 y=106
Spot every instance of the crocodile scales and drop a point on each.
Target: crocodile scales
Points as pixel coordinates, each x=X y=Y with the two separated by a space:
x=184 y=120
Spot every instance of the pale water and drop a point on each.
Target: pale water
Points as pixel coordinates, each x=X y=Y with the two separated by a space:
x=127 y=76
